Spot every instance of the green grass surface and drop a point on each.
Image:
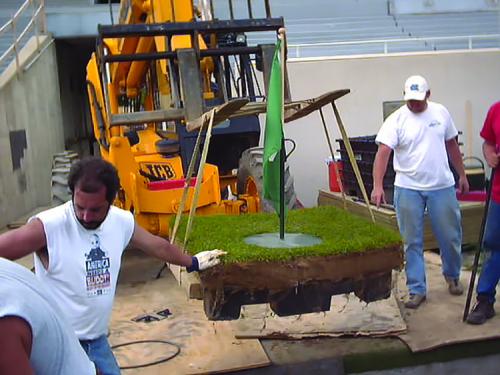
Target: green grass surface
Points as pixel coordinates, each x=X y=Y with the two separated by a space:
x=340 y=231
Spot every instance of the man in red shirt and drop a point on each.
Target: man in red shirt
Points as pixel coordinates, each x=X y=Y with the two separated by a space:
x=490 y=274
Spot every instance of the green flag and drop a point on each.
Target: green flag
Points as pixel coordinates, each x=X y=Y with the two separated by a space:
x=273 y=135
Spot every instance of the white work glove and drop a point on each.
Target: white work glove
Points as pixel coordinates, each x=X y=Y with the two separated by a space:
x=206 y=259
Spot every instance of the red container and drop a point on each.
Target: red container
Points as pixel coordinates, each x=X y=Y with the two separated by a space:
x=472 y=196
x=334 y=170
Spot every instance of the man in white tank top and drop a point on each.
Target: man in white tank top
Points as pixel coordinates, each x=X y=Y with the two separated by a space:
x=423 y=137
x=78 y=248
x=35 y=337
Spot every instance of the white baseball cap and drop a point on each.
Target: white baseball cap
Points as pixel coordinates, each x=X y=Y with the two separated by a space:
x=416 y=88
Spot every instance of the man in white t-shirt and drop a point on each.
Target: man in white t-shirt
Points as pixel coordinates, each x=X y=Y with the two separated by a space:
x=34 y=335
x=423 y=137
x=78 y=247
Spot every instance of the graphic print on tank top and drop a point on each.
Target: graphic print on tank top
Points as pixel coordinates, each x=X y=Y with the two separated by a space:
x=97 y=267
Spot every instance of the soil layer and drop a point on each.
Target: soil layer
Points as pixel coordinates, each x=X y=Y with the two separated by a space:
x=300 y=285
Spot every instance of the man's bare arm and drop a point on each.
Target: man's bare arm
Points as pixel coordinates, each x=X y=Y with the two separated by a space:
x=22 y=241
x=159 y=247
x=379 y=169
x=15 y=346
x=490 y=154
x=456 y=160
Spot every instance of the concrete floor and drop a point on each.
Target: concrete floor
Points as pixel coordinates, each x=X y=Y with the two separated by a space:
x=488 y=365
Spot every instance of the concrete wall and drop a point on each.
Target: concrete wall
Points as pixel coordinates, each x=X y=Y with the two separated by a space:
x=437 y=6
x=71 y=20
x=30 y=132
x=465 y=82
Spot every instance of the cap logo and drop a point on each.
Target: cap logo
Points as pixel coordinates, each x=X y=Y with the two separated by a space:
x=414 y=87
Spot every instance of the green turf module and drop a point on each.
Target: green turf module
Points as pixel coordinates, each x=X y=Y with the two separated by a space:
x=341 y=232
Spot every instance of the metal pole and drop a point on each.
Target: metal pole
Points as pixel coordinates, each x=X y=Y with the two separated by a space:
x=172 y=9
x=16 y=54
x=268 y=8
x=480 y=246
x=282 y=36
x=43 y=23
x=212 y=9
x=231 y=10
x=35 y=22
x=282 y=190
x=250 y=13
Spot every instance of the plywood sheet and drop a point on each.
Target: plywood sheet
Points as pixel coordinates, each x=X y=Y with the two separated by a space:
x=206 y=347
x=438 y=321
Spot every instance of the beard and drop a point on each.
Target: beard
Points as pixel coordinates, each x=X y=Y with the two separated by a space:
x=90 y=225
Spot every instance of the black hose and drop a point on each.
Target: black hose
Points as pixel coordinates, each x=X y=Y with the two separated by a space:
x=178 y=350
x=294 y=146
x=100 y=118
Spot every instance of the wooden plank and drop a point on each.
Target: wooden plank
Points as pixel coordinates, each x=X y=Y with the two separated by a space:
x=231 y=109
x=222 y=113
x=316 y=103
x=472 y=213
x=190 y=282
x=293 y=110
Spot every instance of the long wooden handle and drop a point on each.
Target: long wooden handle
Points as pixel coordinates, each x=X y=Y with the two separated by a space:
x=353 y=161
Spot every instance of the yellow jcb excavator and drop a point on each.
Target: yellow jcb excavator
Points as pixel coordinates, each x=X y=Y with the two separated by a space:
x=164 y=65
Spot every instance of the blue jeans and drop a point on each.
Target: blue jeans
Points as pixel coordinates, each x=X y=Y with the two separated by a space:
x=444 y=211
x=100 y=353
x=490 y=273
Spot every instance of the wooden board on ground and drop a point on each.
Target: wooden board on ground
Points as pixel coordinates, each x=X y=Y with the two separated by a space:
x=347 y=316
x=472 y=213
x=206 y=347
x=438 y=321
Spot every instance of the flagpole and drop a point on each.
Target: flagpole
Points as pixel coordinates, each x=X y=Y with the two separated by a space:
x=282 y=37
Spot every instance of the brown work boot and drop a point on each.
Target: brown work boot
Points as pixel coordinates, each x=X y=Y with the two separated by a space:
x=454 y=286
x=482 y=311
x=414 y=301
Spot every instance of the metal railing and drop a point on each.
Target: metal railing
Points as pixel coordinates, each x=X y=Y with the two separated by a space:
x=36 y=22
x=391 y=45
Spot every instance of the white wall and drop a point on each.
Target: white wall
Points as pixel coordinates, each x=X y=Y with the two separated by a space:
x=467 y=83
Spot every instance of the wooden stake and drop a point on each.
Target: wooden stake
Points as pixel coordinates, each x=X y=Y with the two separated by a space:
x=352 y=159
